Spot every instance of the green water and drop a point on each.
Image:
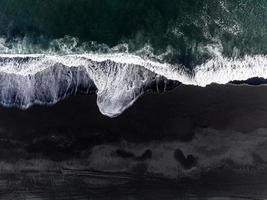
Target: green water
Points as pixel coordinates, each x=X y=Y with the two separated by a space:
x=187 y=32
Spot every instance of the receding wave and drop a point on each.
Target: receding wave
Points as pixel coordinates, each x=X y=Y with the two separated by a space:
x=44 y=79
x=117 y=78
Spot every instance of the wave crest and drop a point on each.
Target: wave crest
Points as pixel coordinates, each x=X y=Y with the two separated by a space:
x=118 y=77
x=42 y=79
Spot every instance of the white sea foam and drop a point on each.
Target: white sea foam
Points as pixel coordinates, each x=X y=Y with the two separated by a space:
x=211 y=148
x=120 y=78
x=219 y=69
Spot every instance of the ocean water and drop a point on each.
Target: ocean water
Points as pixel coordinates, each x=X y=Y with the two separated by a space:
x=180 y=32
x=190 y=42
x=203 y=138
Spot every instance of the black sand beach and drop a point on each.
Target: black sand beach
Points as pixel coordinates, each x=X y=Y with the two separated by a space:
x=175 y=114
x=62 y=143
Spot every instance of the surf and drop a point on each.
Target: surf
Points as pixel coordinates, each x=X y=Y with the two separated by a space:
x=118 y=79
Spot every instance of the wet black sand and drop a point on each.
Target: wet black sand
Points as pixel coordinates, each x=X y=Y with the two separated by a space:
x=68 y=130
x=172 y=114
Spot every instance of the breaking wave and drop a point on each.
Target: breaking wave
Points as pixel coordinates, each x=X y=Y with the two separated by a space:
x=123 y=49
x=118 y=77
x=29 y=79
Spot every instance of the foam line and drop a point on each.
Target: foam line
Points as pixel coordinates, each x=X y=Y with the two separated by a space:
x=119 y=78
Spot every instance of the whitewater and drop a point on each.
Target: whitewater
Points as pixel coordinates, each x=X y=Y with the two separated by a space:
x=118 y=79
